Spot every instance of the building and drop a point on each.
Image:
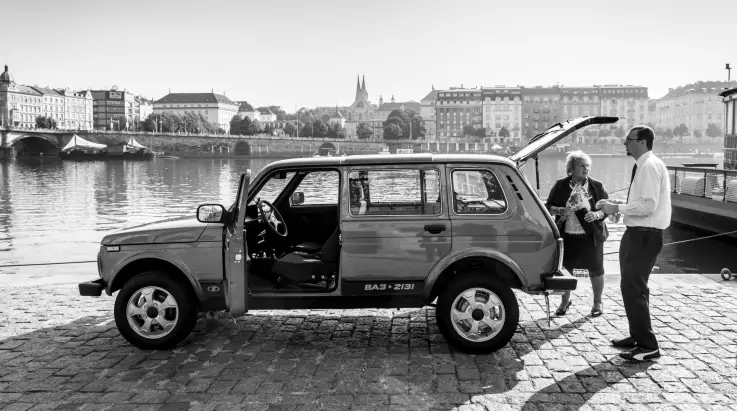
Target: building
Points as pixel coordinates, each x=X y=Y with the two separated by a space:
x=71 y=110
x=577 y=101
x=336 y=118
x=630 y=103
x=216 y=108
x=696 y=105
x=502 y=108
x=247 y=110
x=19 y=104
x=729 y=99
x=361 y=109
x=540 y=109
x=115 y=109
x=265 y=115
x=146 y=107
x=427 y=111
x=455 y=109
x=382 y=112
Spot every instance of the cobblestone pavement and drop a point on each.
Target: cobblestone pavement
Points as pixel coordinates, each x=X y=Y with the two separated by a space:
x=62 y=351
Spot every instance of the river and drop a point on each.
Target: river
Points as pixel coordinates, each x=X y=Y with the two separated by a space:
x=57 y=211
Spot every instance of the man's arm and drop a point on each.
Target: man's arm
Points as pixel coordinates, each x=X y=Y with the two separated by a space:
x=649 y=193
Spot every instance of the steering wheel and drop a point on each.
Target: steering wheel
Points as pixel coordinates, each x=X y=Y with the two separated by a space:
x=274 y=221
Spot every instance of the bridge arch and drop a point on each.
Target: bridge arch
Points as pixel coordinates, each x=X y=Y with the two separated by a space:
x=328 y=149
x=35 y=145
x=243 y=148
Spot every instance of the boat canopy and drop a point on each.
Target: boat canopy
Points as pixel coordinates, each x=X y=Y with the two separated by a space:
x=133 y=143
x=79 y=142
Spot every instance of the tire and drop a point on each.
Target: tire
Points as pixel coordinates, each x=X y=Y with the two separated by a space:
x=494 y=300
x=154 y=290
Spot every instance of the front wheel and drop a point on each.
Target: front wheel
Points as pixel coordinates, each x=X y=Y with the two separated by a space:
x=477 y=314
x=153 y=311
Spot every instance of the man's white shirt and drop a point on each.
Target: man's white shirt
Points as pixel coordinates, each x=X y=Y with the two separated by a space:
x=649 y=199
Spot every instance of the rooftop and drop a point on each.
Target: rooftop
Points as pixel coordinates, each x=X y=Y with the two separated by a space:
x=195 y=98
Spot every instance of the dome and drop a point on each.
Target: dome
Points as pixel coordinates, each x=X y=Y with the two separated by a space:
x=5 y=76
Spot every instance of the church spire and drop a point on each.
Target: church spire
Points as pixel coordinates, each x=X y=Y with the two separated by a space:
x=358 y=83
x=363 y=86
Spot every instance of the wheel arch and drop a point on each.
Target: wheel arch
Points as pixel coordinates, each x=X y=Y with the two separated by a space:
x=492 y=262
x=131 y=268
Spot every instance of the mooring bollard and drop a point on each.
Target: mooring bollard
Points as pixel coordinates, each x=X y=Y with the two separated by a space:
x=726 y=274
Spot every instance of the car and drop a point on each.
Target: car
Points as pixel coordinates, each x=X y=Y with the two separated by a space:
x=460 y=232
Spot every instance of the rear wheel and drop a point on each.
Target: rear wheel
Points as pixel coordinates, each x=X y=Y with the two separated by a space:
x=477 y=314
x=153 y=311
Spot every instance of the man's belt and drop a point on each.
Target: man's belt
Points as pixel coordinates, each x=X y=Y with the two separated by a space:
x=653 y=229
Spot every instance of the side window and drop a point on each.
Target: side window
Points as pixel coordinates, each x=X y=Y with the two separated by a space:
x=477 y=192
x=273 y=187
x=395 y=192
x=320 y=188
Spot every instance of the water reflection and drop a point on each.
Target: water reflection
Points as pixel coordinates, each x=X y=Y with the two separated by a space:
x=52 y=210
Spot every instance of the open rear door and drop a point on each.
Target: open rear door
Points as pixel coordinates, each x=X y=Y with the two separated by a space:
x=236 y=253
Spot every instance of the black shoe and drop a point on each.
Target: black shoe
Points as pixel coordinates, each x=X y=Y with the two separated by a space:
x=563 y=311
x=628 y=342
x=596 y=312
x=639 y=354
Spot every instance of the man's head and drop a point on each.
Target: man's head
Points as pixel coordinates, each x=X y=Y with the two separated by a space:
x=639 y=141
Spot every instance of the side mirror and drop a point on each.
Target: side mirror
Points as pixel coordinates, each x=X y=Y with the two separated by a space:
x=210 y=213
x=298 y=198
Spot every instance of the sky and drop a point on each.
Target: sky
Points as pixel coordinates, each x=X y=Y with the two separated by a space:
x=308 y=53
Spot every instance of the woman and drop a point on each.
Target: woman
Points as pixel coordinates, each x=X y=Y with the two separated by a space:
x=572 y=201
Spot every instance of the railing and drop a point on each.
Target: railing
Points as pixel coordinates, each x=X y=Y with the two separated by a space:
x=704 y=182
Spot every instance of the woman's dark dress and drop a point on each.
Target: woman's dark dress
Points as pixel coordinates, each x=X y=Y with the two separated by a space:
x=585 y=251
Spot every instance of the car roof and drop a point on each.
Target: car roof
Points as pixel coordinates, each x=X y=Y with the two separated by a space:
x=389 y=159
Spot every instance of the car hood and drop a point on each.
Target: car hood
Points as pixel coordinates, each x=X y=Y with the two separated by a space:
x=173 y=230
x=555 y=133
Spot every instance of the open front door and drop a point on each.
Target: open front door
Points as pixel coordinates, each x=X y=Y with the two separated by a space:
x=236 y=254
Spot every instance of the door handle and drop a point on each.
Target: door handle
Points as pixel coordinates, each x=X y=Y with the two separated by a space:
x=435 y=228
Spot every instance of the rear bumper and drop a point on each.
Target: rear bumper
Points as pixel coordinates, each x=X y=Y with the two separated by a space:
x=92 y=288
x=559 y=281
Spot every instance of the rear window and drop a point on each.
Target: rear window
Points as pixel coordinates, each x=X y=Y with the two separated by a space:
x=395 y=192
x=477 y=192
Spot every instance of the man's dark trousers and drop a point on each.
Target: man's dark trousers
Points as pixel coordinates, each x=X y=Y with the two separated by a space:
x=637 y=253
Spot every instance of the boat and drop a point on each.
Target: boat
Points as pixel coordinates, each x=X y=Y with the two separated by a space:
x=81 y=149
x=405 y=151
x=131 y=150
x=385 y=150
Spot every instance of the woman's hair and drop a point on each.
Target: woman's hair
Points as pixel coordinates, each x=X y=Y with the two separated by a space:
x=575 y=159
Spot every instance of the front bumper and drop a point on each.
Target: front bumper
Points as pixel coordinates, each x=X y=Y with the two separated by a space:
x=92 y=288
x=559 y=281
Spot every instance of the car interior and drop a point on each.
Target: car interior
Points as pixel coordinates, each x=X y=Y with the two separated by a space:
x=292 y=232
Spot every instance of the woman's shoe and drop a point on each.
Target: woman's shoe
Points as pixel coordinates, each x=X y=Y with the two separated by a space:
x=563 y=311
x=595 y=312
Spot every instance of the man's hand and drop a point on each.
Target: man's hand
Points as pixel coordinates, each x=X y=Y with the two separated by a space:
x=609 y=207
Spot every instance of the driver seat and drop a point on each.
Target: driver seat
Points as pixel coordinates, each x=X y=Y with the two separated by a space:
x=300 y=267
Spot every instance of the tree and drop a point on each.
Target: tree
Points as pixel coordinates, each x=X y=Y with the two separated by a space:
x=697 y=133
x=235 y=125
x=269 y=129
x=468 y=130
x=45 y=122
x=619 y=132
x=481 y=132
x=290 y=129
x=149 y=124
x=681 y=130
x=336 y=131
x=604 y=132
x=668 y=133
x=391 y=131
x=418 y=126
x=713 y=130
x=364 y=131
x=321 y=129
x=307 y=130
x=503 y=132
x=255 y=127
x=245 y=127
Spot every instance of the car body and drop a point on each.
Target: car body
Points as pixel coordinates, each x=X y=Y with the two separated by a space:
x=374 y=231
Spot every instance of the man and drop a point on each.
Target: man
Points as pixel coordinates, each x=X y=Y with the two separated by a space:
x=646 y=214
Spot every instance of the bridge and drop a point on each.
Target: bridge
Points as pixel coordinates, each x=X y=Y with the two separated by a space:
x=41 y=142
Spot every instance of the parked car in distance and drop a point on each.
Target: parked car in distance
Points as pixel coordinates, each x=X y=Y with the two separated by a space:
x=370 y=231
